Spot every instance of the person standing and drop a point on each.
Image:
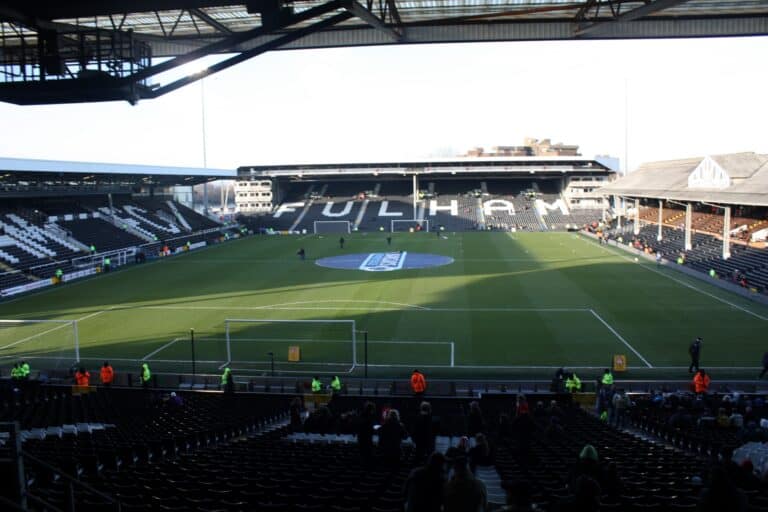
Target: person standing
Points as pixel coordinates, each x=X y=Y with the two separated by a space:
x=424 y=487
x=389 y=240
x=145 y=376
x=765 y=366
x=335 y=385
x=701 y=382
x=25 y=370
x=418 y=383
x=341 y=243
x=607 y=379
x=464 y=492
x=82 y=377
x=391 y=435
x=423 y=433
x=317 y=386
x=107 y=374
x=695 y=352
x=228 y=381
x=302 y=254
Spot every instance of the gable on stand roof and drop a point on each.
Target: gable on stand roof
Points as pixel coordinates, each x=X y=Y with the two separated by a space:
x=710 y=175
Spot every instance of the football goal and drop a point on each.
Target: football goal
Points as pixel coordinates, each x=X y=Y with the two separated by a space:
x=332 y=226
x=49 y=344
x=409 y=225
x=320 y=346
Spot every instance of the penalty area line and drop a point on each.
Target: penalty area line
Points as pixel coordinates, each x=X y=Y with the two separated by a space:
x=146 y=357
x=620 y=338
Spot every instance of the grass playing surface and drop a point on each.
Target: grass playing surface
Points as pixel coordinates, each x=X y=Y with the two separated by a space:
x=510 y=304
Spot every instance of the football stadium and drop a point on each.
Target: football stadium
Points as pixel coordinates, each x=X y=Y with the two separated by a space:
x=518 y=327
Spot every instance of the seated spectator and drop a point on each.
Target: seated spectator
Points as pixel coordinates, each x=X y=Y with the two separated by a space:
x=424 y=487
x=519 y=496
x=463 y=492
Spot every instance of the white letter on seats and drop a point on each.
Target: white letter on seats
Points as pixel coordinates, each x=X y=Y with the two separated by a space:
x=329 y=206
x=453 y=208
x=384 y=213
x=495 y=205
x=287 y=208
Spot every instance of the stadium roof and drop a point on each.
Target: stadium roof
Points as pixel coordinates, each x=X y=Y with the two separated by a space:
x=433 y=166
x=737 y=179
x=51 y=50
x=16 y=170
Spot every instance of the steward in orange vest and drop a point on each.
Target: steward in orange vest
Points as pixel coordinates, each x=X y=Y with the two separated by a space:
x=82 y=377
x=107 y=374
x=418 y=382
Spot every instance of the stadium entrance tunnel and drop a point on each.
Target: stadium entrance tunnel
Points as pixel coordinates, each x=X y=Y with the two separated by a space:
x=384 y=261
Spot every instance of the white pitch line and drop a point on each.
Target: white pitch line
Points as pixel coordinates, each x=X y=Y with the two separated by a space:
x=174 y=340
x=625 y=342
x=52 y=329
x=680 y=281
x=334 y=308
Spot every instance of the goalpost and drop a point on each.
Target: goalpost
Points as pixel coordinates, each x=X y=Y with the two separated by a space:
x=320 y=346
x=332 y=226
x=406 y=225
x=45 y=343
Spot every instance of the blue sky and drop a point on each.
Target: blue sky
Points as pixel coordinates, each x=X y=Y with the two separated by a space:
x=683 y=98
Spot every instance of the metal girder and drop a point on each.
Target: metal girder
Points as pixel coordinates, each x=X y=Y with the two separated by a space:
x=371 y=19
x=210 y=21
x=640 y=12
x=230 y=42
x=258 y=50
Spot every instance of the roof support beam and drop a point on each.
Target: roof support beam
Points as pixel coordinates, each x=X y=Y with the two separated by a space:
x=640 y=12
x=371 y=19
x=258 y=50
x=210 y=21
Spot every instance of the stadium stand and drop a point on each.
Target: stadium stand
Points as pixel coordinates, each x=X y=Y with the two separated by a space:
x=199 y=451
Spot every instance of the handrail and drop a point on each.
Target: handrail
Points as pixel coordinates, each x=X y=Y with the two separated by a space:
x=71 y=479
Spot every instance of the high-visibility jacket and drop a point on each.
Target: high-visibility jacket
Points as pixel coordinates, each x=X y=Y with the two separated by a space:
x=82 y=379
x=418 y=382
x=573 y=383
x=145 y=373
x=16 y=372
x=701 y=383
x=317 y=386
x=336 y=384
x=25 y=370
x=607 y=379
x=225 y=376
x=107 y=374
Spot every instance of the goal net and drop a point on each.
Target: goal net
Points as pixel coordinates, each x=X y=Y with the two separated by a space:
x=332 y=226
x=301 y=346
x=44 y=344
x=408 y=225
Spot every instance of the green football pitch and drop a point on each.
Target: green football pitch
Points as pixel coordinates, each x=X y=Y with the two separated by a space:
x=510 y=304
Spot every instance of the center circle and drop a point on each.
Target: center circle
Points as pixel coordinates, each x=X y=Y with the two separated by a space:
x=384 y=261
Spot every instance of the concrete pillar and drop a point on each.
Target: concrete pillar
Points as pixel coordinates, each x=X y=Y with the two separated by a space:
x=661 y=219
x=637 y=217
x=617 y=207
x=727 y=233
x=688 y=219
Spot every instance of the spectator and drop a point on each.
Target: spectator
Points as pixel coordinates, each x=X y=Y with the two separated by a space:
x=461 y=450
x=519 y=497
x=480 y=454
x=721 y=494
x=228 y=381
x=558 y=381
x=391 y=435
x=463 y=492
x=607 y=379
x=521 y=405
x=620 y=403
x=475 y=422
x=296 y=411
x=424 y=487
x=424 y=432
x=365 y=425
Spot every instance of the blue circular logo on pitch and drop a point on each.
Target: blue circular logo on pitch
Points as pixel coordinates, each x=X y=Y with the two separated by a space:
x=384 y=261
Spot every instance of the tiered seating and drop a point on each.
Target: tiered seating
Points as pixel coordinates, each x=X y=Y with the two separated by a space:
x=11 y=279
x=104 y=235
x=195 y=220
